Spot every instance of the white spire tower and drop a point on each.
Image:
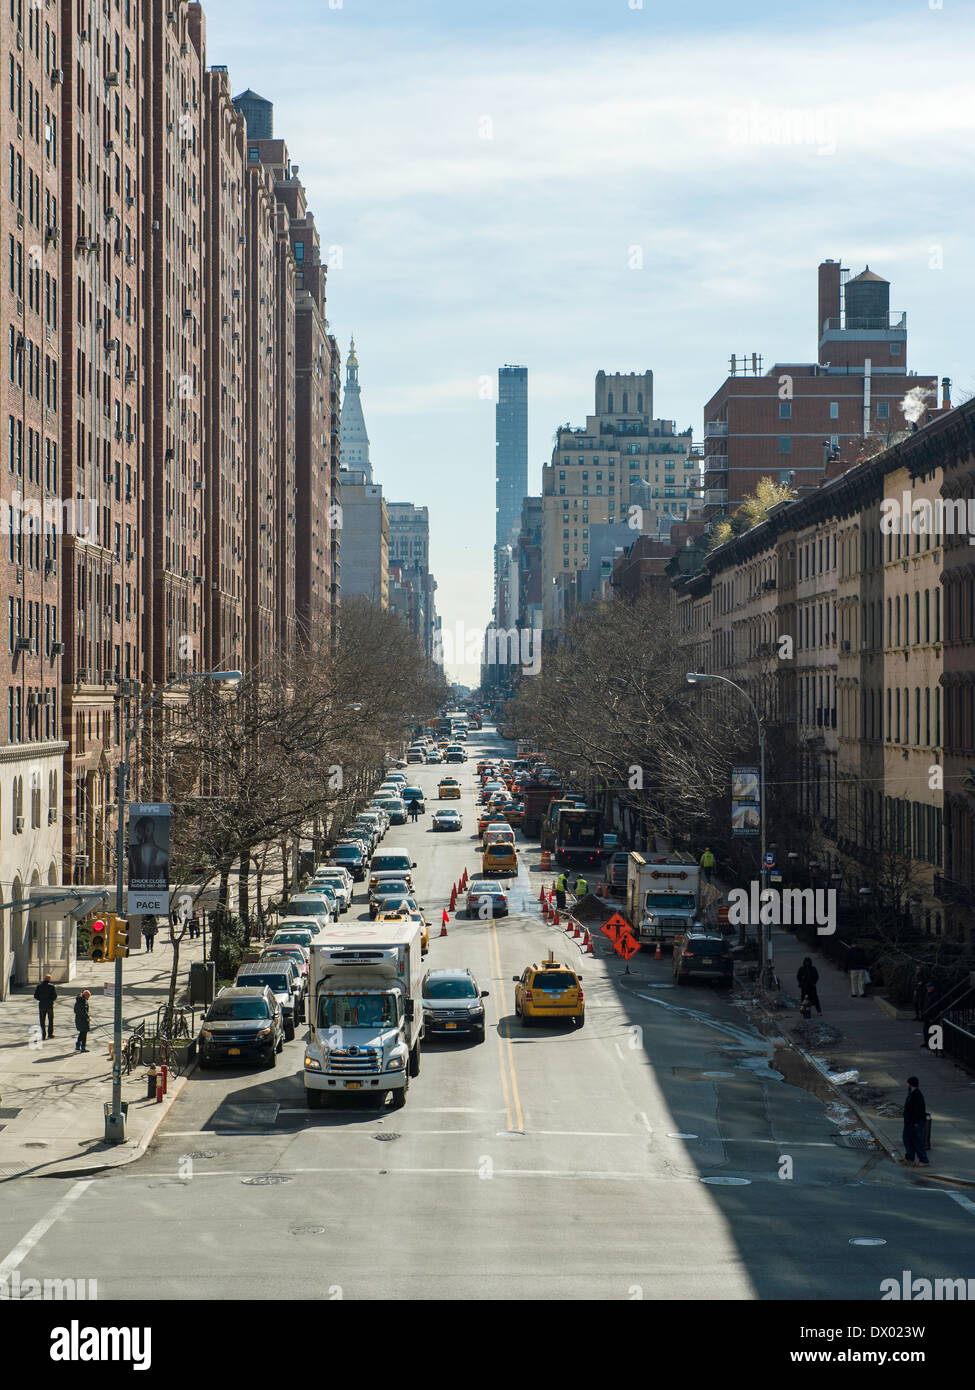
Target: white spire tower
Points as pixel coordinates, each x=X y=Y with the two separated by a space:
x=353 y=440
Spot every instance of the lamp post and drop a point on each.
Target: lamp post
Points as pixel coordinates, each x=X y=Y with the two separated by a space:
x=696 y=678
x=114 y=1122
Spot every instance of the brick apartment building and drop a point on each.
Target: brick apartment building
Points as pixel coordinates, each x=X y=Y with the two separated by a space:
x=857 y=708
x=783 y=422
x=31 y=556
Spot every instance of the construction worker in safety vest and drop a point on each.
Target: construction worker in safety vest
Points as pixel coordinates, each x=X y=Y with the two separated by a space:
x=560 y=887
x=707 y=864
x=582 y=887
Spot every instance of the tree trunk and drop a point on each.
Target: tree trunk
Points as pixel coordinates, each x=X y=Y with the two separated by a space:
x=285 y=865
x=244 y=895
x=216 y=918
x=176 y=938
x=259 y=875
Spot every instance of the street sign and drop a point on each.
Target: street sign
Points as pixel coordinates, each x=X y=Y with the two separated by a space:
x=770 y=859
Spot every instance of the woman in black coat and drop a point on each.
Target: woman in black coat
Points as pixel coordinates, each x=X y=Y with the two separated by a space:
x=806 y=977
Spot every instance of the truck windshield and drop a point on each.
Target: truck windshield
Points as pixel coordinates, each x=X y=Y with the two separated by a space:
x=356 y=1011
x=663 y=902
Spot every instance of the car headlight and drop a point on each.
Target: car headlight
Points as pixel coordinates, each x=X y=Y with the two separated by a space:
x=312 y=1064
x=263 y=1033
x=476 y=1009
x=206 y=1035
x=396 y=1063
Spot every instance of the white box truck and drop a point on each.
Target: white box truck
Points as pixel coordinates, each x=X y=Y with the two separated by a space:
x=365 y=1010
x=663 y=895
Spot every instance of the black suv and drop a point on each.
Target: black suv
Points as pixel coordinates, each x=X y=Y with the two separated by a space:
x=351 y=858
x=452 y=1003
x=279 y=979
x=704 y=953
x=242 y=1025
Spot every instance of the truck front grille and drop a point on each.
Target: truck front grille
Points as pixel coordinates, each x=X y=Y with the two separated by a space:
x=365 y=1062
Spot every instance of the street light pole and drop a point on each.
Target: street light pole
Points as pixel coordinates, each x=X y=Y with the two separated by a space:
x=695 y=678
x=114 y=1120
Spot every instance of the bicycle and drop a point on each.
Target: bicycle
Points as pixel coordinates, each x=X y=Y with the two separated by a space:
x=132 y=1053
x=169 y=1057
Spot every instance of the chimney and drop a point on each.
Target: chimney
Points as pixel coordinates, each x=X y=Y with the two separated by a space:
x=829 y=296
x=946 y=393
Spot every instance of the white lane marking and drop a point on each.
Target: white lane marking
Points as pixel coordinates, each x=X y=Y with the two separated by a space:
x=619 y=1050
x=965 y=1202
x=742 y=1035
x=360 y=1171
x=641 y=1115
x=41 y=1228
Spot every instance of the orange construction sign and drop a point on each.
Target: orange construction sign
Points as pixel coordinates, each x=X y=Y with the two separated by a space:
x=615 y=927
x=626 y=946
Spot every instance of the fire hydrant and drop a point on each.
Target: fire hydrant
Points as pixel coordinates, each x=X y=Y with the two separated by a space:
x=152 y=1083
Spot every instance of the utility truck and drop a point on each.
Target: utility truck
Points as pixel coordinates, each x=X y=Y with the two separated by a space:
x=663 y=895
x=365 y=1011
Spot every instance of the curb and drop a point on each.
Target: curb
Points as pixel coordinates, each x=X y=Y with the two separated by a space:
x=868 y=1123
x=139 y=1150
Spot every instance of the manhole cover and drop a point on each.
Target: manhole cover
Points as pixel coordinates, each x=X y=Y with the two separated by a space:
x=867 y=1240
x=201 y=1153
x=35 y=1144
x=172 y=1182
x=385 y=1138
x=681 y=1136
x=265 y=1180
x=728 y=1182
x=307 y=1230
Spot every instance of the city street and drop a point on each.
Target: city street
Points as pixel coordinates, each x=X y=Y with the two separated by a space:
x=657 y=1152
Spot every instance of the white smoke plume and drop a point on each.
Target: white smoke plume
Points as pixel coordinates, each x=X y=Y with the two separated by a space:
x=914 y=403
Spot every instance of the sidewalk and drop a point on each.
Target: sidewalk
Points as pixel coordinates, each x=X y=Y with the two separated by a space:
x=52 y=1117
x=882 y=1047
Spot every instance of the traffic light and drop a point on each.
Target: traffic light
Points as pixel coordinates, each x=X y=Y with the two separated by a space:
x=98 y=940
x=118 y=937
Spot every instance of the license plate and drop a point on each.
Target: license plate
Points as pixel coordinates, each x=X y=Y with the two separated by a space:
x=706 y=960
x=353 y=1085
x=233 y=1051
x=450 y=1025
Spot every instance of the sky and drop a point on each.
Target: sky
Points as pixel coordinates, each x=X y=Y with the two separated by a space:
x=577 y=185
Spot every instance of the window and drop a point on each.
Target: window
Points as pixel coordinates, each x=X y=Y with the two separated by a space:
x=299 y=250
x=883 y=410
x=785 y=410
x=895 y=349
x=254 y=155
x=785 y=444
x=834 y=410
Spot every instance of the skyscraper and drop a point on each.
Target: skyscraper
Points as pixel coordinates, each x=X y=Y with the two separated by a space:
x=354 y=440
x=511 y=443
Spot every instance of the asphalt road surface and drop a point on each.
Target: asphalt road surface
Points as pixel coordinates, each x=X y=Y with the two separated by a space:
x=656 y=1152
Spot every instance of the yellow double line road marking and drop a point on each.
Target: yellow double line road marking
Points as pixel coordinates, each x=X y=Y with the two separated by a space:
x=509 y=1081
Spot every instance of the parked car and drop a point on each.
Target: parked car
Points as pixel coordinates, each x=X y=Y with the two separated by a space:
x=397 y=812
x=351 y=858
x=452 y=1003
x=340 y=879
x=242 y=1024
x=298 y=957
x=702 y=953
x=279 y=979
x=416 y=755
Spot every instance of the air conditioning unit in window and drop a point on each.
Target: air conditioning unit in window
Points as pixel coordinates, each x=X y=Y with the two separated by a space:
x=22 y=644
x=18 y=820
x=111 y=79
x=57 y=76
x=52 y=815
x=57 y=648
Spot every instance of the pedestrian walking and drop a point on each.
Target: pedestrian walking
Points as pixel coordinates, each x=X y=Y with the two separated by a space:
x=149 y=932
x=806 y=977
x=919 y=992
x=707 y=864
x=856 y=964
x=560 y=889
x=195 y=924
x=414 y=810
x=82 y=1020
x=45 y=994
x=915 y=1114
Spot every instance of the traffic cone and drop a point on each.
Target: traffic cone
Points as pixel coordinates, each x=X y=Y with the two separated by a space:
x=658 y=954
x=541 y=895
x=453 y=897
x=589 y=951
x=577 y=930
x=443 y=925
x=544 y=910
x=463 y=882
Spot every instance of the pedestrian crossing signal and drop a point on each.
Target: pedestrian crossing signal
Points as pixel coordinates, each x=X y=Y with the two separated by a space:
x=118 y=938
x=98 y=940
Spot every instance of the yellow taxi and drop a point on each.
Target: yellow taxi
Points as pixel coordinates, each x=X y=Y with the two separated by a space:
x=549 y=990
x=500 y=857
x=448 y=789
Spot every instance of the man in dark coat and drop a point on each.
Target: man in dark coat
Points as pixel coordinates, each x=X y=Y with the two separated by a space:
x=915 y=1114
x=806 y=978
x=149 y=932
x=82 y=1020
x=45 y=994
